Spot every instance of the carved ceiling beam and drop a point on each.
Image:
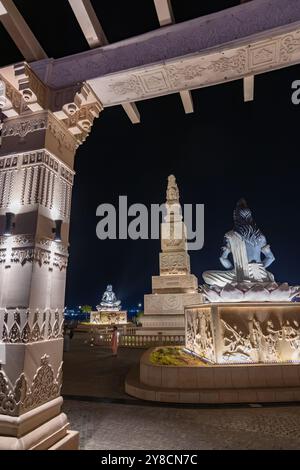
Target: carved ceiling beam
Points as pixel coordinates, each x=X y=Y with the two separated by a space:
x=88 y=22
x=252 y=38
x=249 y=88
x=187 y=101
x=248 y=82
x=252 y=56
x=166 y=17
x=164 y=12
x=20 y=32
x=95 y=36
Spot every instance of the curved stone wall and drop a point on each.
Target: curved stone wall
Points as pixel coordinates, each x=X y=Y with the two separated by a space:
x=251 y=383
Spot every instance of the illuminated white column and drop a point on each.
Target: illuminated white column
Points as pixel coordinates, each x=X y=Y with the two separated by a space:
x=36 y=173
x=39 y=137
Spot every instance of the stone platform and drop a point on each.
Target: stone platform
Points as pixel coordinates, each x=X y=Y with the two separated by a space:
x=165 y=312
x=43 y=428
x=109 y=317
x=251 y=383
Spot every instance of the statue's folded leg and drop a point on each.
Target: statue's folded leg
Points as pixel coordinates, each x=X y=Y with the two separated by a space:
x=271 y=277
x=219 y=278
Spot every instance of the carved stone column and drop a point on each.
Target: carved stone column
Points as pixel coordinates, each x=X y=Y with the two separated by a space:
x=40 y=135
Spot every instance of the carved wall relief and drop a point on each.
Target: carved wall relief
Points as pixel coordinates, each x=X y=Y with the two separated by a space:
x=174 y=263
x=244 y=334
x=199 y=334
x=109 y=318
x=273 y=339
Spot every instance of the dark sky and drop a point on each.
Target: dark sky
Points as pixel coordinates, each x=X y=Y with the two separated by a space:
x=225 y=150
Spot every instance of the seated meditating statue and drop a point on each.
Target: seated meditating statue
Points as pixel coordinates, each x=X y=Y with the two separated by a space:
x=109 y=300
x=246 y=243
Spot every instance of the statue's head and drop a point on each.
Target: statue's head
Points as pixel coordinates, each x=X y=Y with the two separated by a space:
x=242 y=213
x=244 y=223
x=109 y=288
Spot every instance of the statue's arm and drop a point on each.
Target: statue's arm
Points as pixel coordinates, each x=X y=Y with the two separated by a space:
x=269 y=257
x=225 y=251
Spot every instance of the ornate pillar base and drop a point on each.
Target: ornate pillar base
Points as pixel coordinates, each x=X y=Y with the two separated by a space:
x=30 y=381
x=42 y=428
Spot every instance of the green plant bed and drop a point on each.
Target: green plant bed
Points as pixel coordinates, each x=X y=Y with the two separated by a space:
x=174 y=356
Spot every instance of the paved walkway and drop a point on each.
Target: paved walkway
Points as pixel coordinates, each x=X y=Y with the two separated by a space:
x=108 y=419
x=93 y=371
x=115 y=426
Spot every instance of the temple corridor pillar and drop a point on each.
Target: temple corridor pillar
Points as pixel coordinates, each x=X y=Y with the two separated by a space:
x=41 y=131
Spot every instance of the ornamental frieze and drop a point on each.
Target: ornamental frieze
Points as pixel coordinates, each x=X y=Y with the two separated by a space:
x=30 y=327
x=22 y=255
x=202 y=69
x=24 y=396
x=22 y=128
x=60 y=261
x=289 y=45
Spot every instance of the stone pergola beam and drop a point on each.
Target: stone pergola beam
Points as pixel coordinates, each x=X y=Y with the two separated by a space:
x=132 y=112
x=166 y=17
x=248 y=82
x=164 y=12
x=88 y=22
x=187 y=101
x=95 y=36
x=20 y=32
x=252 y=38
x=220 y=31
x=249 y=88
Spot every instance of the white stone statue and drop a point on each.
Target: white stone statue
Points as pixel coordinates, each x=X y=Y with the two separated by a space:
x=109 y=300
x=247 y=278
x=246 y=243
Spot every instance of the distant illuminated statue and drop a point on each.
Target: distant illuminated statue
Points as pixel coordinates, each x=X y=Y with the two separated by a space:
x=246 y=243
x=109 y=300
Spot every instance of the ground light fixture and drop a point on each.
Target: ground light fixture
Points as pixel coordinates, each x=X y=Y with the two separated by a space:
x=9 y=224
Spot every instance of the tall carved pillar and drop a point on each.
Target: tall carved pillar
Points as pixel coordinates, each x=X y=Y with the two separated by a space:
x=40 y=135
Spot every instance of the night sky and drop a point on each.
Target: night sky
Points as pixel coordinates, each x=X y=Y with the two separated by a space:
x=225 y=150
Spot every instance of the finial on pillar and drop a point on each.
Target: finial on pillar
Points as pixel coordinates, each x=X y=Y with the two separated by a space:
x=172 y=191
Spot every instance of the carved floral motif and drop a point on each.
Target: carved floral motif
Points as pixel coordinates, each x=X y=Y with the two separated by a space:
x=288 y=45
x=24 y=127
x=44 y=326
x=24 y=397
x=179 y=74
x=127 y=86
x=236 y=63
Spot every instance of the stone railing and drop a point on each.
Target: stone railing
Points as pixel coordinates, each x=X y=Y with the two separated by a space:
x=136 y=341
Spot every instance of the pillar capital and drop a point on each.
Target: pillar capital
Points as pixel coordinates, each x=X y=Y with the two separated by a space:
x=24 y=97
